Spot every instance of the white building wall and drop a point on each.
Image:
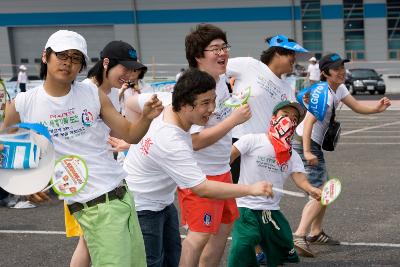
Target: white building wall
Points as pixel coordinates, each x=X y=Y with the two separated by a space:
x=5 y=53
x=376 y=45
x=333 y=36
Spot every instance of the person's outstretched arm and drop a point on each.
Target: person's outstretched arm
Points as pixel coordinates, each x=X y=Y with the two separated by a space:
x=357 y=106
x=220 y=190
x=301 y=181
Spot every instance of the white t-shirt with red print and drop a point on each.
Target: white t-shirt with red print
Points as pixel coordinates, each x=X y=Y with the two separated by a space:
x=162 y=161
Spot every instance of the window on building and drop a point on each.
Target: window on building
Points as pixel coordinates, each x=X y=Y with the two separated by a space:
x=393 y=28
x=38 y=60
x=353 y=22
x=94 y=59
x=24 y=60
x=311 y=25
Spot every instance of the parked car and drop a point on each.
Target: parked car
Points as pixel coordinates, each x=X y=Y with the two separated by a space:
x=11 y=85
x=365 y=80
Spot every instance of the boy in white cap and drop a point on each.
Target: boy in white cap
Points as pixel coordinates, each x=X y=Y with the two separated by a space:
x=268 y=157
x=70 y=109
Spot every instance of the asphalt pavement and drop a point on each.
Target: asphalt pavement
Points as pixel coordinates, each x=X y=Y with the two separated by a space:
x=365 y=218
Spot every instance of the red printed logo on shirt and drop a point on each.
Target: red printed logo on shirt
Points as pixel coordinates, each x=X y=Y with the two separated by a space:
x=145 y=145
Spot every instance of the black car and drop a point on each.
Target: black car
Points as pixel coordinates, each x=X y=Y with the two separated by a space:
x=365 y=80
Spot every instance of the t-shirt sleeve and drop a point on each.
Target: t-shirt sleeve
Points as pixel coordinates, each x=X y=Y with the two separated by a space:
x=196 y=129
x=297 y=163
x=342 y=92
x=245 y=143
x=236 y=66
x=179 y=164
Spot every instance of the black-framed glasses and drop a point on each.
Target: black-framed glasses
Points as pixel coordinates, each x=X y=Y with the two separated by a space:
x=217 y=50
x=76 y=59
x=130 y=83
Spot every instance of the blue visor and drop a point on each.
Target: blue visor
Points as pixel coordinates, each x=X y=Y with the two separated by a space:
x=318 y=99
x=283 y=41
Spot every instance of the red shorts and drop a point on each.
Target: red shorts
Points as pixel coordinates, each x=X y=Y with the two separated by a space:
x=203 y=214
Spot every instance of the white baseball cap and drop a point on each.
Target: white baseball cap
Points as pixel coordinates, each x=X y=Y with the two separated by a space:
x=65 y=40
x=313 y=59
x=22 y=67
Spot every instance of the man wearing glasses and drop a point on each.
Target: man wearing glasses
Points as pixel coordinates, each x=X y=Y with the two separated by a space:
x=209 y=220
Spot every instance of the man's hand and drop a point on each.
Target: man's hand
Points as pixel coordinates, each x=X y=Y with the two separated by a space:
x=152 y=108
x=315 y=193
x=262 y=188
x=241 y=114
x=39 y=197
x=118 y=145
x=382 y=104
x=311 y=158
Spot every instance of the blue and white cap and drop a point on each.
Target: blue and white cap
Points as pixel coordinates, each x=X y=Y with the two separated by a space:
x=282 y=41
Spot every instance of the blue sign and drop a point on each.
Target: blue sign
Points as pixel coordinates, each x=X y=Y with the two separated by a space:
x=318 y=99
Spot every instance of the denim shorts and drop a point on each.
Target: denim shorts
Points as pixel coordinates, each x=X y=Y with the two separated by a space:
x=317 y=175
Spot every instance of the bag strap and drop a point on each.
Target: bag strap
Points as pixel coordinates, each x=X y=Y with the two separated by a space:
x=332 y=120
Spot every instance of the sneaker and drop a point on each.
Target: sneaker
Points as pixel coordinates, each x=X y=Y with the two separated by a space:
x=261 y=258
x=322 y=239
x=11 y=200
x=23 y=205
x=302 y=246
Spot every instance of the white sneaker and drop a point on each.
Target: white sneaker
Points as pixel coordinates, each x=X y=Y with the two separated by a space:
x=23 y=205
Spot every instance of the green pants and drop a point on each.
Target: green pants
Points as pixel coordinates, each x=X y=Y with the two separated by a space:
x=270 y=230
x=112 y=233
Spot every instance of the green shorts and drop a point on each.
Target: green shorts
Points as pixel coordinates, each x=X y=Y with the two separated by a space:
x=270 y=230
x=112 y=233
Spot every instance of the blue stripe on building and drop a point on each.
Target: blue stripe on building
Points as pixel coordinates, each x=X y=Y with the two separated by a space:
x=375 y=11
x=283 y=13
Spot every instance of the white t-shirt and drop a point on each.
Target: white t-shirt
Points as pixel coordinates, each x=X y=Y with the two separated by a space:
x=313 y=70
x=267 y=90
x=22 y=77
x=214 y=159
x=162 y=161
x=72 y=124
x=258 y=163
x=320 y=127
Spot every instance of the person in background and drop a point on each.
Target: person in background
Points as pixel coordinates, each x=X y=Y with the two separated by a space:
x=22 y=79
x=313 y=73
x=179 y=74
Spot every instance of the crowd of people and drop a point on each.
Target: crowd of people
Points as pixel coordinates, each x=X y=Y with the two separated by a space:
x=186 y=142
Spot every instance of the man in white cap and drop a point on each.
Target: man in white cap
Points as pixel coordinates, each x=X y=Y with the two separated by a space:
x=70 y=109
x=313 y=73
x=22 y=78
